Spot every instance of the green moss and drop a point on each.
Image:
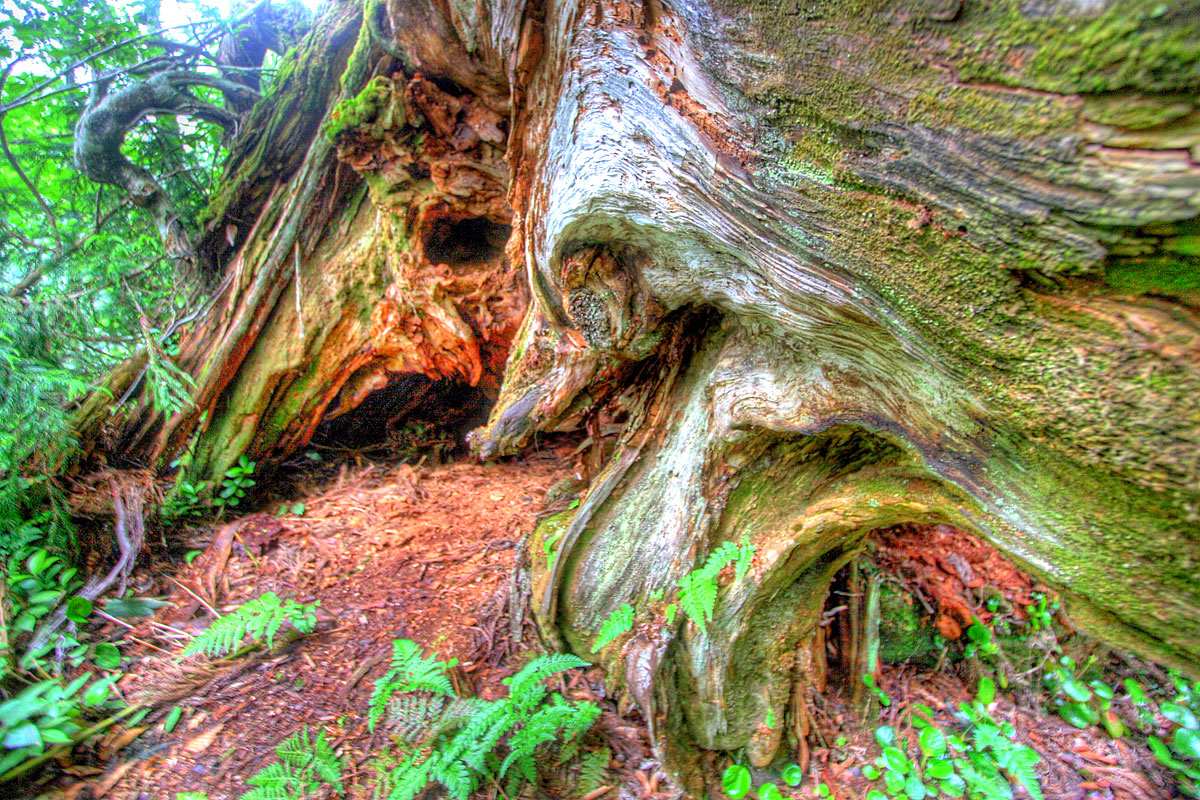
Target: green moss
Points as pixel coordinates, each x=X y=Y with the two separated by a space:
x=905 y=634
x=1179 y=278
x=376 y=107
x=1135 y=111
x=1128 y=46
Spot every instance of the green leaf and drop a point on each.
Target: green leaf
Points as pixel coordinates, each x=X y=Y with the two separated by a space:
x=1180 y=715
x=792 y=775
x=870 y=773
x=914 y=789
x=953 y=786
x=97 y=693
x=894 y=781
x=107 y=656
x=885 y=735
x=1077 y=714
x=133 y=607
x=939 y=768
x=1136 y=693
x=24 y=735
x=769 y=791
x=933 y=742
x=823 y=789
x=875 y=794
x=172 y=719
x=896 y=759
x=670 y=612
x=736 y=781
x=986 y=692
x=1075 y=690
x=1163 y=755
x=298 y=509
x=1187 y=743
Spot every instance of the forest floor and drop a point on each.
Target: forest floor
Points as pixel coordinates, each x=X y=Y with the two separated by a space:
x=428 y=554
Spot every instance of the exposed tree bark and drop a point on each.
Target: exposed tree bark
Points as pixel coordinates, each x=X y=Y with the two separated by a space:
x=834 y=267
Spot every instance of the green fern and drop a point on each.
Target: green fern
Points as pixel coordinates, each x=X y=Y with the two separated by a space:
x=593 y=771
x=698 y=589
x=618 y=622
x=306 y=767
x=259 y=619
x=470 y=735
x=410 y=671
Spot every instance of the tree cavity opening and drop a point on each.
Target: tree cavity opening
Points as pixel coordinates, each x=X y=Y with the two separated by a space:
x=412 y=418
x=465 y=242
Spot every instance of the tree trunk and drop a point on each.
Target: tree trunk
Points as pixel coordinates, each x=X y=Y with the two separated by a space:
x=829 y=267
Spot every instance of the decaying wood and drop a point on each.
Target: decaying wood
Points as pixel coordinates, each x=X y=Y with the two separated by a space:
x=833 y=267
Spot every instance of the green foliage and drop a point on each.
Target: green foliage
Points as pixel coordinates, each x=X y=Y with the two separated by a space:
x=980 y=762
x=410 y=671
x=1082 y=705
x=698 y=589
x=869 y=681
x=259 y=619
x=592 y=772
x=236 y=482
x=306 y=768
x=618 y=622
x=1181 y=752
x=463 y=748
x=736 y=781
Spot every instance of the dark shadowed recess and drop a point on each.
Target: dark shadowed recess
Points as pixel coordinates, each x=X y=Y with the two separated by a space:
x=387 y=418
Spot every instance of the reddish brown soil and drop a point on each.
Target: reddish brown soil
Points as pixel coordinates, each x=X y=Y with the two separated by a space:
x=390 y=552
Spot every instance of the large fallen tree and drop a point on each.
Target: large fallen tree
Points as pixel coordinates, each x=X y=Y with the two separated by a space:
x=804 y=271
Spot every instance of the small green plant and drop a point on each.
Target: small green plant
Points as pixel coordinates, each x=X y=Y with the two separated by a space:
x=1182 y=754
x=233 y=487
x=1041 y=613
x=259 y=619
x=698 y=589
x=410 y=671
x=980 y=762
x=1080 y=704
x=792 y=774
x=464 y=742
x=869 y=681
x=736 y=781
x=619 y=621
x=307 y=768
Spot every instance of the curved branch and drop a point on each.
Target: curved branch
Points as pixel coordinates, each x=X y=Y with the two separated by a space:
x=109 y=117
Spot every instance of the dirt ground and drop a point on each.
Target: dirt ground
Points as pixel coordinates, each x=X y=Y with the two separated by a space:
x=428 y=554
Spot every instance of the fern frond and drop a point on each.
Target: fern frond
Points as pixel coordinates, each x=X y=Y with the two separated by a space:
x=409 y=715
x=523 y=686
x=304 y=765
x=593 y=771
x=409 y=778
x=410 y=671
x=259 y=619
x=745 y=555
x=698 y=597
x=618 y=622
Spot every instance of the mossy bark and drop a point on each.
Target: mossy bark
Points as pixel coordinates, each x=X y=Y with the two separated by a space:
x=832 y=266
